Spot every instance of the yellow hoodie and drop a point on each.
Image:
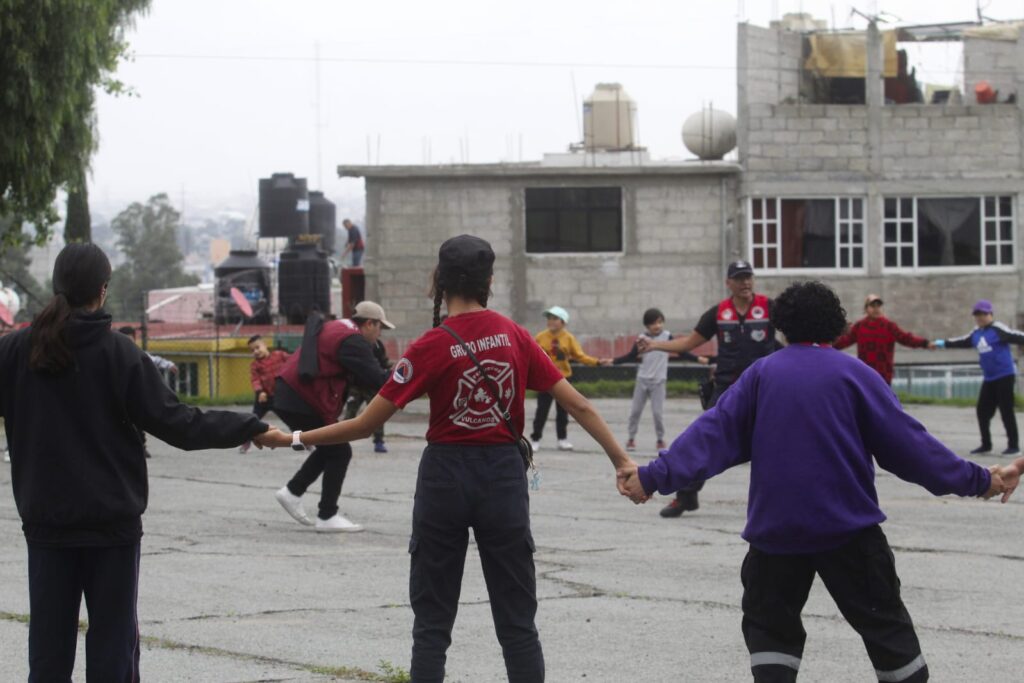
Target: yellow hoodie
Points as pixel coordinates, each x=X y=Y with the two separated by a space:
x=562 y=347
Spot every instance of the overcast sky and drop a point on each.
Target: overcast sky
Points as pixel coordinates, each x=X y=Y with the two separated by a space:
x=227 y=89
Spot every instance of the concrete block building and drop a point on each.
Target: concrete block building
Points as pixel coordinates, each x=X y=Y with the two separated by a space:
x=851 y=180
x=605 y=241
x=917 y=202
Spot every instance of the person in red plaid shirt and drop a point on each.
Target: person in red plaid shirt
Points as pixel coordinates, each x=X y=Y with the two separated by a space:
x=263 y=371
x=876 y=337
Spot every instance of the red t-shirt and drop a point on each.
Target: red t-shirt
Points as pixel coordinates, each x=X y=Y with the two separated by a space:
x=462 y=408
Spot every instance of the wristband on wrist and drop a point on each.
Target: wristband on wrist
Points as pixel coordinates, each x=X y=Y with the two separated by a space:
x=297 y=441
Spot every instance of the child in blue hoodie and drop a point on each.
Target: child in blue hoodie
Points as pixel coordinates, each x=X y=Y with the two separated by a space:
x=992 y=340
x=810 y=437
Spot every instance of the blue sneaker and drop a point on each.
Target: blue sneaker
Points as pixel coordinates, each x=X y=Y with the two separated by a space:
x=379 y=447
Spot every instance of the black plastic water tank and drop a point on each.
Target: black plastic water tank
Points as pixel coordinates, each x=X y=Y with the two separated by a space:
x=303 y=282
x=284 y=206
x=322 y=214
x=244 y=270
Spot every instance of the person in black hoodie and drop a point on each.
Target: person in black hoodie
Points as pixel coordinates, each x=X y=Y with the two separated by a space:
x=74 y=396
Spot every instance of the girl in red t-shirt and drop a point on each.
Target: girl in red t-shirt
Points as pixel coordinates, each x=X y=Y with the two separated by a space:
x=471 y=473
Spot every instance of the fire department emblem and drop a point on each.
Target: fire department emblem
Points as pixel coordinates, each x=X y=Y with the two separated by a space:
x=727 y=314
x=757 y=312
x=757 y=335
x=474 y=406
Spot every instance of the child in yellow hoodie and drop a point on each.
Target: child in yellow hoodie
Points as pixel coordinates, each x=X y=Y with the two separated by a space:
x=562 y=347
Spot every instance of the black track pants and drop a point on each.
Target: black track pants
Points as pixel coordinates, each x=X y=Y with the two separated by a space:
x=861 y=578
x=997 y=394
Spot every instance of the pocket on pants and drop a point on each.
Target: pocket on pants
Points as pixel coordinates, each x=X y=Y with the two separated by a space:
x=883 y=585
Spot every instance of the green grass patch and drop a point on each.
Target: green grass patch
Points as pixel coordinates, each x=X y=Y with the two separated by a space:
x=623 y=388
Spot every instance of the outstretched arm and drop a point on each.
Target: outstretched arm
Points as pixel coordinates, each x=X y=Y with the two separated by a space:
x=906 y=338
x=583 y=411
x=1008 y=335
x=676 y=345
x=361 y=426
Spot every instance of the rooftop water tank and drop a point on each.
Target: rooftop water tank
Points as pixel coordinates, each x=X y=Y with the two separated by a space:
x=609 y=116
x=322 y=217
x=303 y=282
x=251 y=275
x=710 y=133
x=284 y=206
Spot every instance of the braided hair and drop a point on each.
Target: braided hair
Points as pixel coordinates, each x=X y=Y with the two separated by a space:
x=448 y=282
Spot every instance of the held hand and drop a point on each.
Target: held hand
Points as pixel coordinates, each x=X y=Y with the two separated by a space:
x=703 y=360
x=1010 y=477
x=605 y=362
x=173 y=369
x=643 y=344
x=932 y=346
x=997 y=486
x=273 y=438
x=627 y=480
x=262 y=398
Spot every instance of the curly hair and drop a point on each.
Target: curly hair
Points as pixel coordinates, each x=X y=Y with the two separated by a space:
x=809 y=312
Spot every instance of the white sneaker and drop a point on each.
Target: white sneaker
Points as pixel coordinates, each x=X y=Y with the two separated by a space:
x=293 y=505
x=535 y=445
x=7 y=456
x=564 y=445
x=337 y=523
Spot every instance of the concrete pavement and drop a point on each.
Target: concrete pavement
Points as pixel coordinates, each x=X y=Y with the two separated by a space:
x=233 y=590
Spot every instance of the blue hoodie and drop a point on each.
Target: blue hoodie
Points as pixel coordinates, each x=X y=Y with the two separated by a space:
x=993 y=345
x=809 y=419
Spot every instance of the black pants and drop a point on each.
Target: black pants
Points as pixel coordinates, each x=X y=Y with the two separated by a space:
x=108 y=577
x=483 y=488
x=690 y=492
x=261 y=409
x=997 y=394
x=861 y=578
x=561 y=417
x=330 y=461
x=357 y=397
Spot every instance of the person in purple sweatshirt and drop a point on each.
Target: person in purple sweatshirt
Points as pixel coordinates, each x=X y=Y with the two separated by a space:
x=809 y=437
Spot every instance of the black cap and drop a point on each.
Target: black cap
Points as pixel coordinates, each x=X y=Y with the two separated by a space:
x=466 y=253
x=737 y=268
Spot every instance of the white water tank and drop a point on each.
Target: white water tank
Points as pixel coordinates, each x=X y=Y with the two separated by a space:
x=609 y=119
x=710 y=133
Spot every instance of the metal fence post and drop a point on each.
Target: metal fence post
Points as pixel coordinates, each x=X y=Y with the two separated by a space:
x=209 y=373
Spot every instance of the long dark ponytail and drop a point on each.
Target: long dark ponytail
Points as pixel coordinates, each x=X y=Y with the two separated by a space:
x=79 y=276
x=464 y=268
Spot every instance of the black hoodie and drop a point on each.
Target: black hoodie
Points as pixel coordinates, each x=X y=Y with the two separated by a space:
x=77 y=461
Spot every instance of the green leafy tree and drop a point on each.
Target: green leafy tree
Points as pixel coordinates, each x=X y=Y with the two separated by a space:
x=147 y=236
x=53 y=54
x=14 y=273
x=78 y=223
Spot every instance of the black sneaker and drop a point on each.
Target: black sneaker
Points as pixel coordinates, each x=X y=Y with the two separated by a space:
x=673 y=509
x=1012 y=450
x=981 y=449
x=689 y=501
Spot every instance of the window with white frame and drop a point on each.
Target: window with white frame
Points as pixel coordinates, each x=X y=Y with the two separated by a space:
x=935 y=232
x=807 y=233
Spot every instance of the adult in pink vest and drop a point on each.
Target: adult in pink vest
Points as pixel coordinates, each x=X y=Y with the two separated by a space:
x=310 y=392
x=743 y=327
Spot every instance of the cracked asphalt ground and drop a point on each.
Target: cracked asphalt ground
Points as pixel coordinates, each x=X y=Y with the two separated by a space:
x=233 y=590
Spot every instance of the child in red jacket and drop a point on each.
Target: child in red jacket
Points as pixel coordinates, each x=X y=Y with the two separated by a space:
x=263 y=371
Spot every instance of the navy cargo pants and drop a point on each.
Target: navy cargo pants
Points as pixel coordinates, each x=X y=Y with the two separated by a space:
x=481 y=488
x=861 y=577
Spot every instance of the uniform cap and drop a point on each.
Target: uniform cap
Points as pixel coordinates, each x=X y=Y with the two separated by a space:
x=737 y=268
x=467 y=253
x=983 y=306
x=872 y=298
x=371 y=310
x=558 y=312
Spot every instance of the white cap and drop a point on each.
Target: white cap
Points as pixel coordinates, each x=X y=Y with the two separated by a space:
x=371 y=310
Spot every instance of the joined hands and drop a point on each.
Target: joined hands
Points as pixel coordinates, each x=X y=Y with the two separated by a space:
x=272 y=438
x=627 y=480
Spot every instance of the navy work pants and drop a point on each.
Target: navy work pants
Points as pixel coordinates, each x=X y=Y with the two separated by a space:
x=481 y=488
x=108 y=577
x=861 y=578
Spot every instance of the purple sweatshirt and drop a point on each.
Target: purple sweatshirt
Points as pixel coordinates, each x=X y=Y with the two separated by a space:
x=808 y=419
